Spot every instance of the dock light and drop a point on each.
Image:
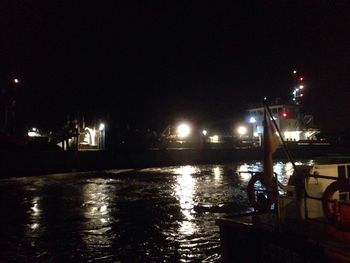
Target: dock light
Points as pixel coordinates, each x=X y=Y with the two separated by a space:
x=242 y=130
x=101 y=127
x=301 y=87
x=214 y=139
x=205 y=132
x=183 y=130
x=16 y=80
x=294 y=72
x=33 y=132
x=252 y=120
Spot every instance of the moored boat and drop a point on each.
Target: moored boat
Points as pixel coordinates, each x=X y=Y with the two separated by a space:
x=307 y=220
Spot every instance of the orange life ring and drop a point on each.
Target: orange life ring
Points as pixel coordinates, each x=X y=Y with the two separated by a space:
x=334 y=211
x=264 y=203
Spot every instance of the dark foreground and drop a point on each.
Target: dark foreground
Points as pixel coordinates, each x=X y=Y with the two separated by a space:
x=149 y=215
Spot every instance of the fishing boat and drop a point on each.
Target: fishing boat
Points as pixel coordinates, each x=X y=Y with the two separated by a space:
x=307 y=220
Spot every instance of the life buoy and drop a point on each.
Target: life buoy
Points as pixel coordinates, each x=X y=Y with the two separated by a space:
x=337 y=213
x=263 y=201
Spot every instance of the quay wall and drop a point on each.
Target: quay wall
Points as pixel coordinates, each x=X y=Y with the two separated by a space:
x=46 y=162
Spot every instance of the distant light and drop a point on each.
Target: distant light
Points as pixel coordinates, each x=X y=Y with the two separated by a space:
x=242 y=130
x=205 y=132
x=284 y=114
x=252 y=120
x=214 y=139
x=297 y=89
x=255 y=134
x=294 y=72
x=16 y=80
x=101 y=127
x=33 y=132
x=301 y=79
x=183 y=130
x=301 y=86
x=301 y=95
x=265 y=98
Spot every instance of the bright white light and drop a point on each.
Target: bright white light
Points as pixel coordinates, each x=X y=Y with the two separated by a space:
x=214 y=139
x=301 y=87
x=294 y=72
x=91 y=136
x=205 y=132
x=183 y=130
x=256 y=134
x=252 y=120
x=242 y=130
x=16 y=80
x=33 y=132
x=102 y=127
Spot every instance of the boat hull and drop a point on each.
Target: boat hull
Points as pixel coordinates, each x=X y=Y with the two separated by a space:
x=242 y=241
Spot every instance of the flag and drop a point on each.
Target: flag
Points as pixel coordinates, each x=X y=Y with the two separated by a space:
x=271 y=143
x=271 y=138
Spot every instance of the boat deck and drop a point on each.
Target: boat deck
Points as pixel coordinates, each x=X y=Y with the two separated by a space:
x=258 y=238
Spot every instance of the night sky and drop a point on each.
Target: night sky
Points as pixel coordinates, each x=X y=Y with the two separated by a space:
x=149 y=62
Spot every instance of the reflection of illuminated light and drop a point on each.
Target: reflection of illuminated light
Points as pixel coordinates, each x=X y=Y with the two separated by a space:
x=103 y=208
x=35 y=212
x=96 y=197
x=185 y=190
x=218 y=172
x=242 y=169
x=34 y=226
x=188 y=228
x=185 y=170
x=35 y=206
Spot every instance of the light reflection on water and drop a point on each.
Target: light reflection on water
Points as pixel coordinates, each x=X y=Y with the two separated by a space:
x=149 y=215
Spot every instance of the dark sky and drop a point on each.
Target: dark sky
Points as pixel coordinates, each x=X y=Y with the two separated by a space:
x=149 y=62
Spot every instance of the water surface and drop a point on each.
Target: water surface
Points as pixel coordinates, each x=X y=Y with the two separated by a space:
x=149 y=215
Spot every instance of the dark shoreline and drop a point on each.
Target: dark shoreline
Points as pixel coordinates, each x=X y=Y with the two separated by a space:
x=47 y=162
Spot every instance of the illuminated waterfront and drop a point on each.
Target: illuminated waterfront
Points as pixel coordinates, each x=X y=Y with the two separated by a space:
x=156 y=214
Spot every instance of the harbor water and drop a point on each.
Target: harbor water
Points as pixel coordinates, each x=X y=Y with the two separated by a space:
x=135 y=215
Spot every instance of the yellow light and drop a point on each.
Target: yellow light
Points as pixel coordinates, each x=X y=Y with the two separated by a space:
x=242 y=130
x=183 y=130
x=214 y=139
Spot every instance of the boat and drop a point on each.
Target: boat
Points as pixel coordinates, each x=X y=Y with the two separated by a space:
x=307 y=220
